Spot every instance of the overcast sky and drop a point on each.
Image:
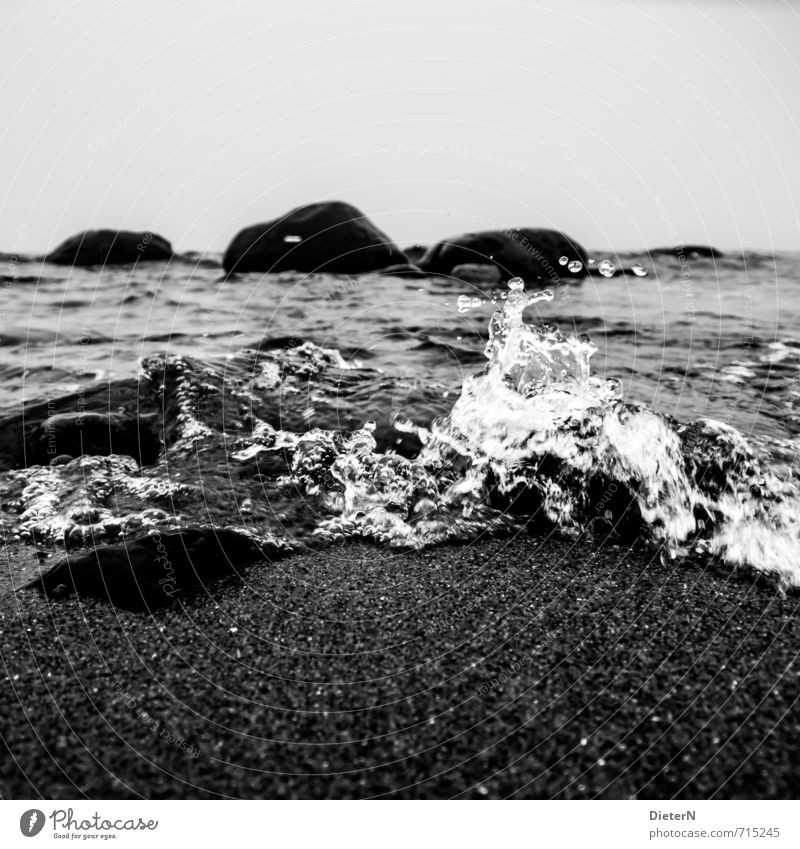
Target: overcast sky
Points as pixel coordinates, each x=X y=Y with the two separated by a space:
x=624 y=124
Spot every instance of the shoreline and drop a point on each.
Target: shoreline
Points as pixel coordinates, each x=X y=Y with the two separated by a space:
x=526 y=667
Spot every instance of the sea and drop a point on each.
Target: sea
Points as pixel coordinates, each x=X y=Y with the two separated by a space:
x=300 y=409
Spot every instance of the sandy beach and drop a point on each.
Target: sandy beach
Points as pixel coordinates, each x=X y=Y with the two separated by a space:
x=532 y=667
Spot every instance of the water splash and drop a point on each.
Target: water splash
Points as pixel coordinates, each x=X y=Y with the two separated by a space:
x=533 y=439
x=535 y=427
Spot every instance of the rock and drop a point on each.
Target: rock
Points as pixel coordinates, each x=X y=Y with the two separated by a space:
x=473 y=272
x=93 y=433
x=689 y=251
x=517 y=252
x=403 y=269
x=130 y=397
x=331 y=236
x=62 y=460
x=415 y=252
x=110 y=247
x=149 y=571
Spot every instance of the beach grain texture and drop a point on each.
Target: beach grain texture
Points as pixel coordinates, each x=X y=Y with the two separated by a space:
x=528 y=667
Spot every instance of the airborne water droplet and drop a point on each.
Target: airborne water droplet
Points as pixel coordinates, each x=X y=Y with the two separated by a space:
x=606 y=268
x=292 y=239
x=639 y=270
x=575 y=266
x=516 y=284
x=563 y=260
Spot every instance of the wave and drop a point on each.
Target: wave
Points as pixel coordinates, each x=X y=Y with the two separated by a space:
x=298 y=446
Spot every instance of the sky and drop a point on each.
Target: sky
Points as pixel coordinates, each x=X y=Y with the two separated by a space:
x=626 y=125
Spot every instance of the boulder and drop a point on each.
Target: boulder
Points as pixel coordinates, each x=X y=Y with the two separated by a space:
x=149 y=571
x=101 y=434
x=111 y=247
x=473 y=272
x=331 y=236
x=688 y=252
x=403 y=269
x=415 y=252
x=517 y=252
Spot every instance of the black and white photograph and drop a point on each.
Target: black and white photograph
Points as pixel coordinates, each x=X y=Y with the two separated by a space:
x=400 y=401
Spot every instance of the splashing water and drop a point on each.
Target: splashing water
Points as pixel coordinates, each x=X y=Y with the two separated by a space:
x=535 y=428
x=534 y=439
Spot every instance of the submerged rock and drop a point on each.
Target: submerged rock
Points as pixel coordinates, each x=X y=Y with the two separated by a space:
x=403 y=269
x=111 y=247
x=22 y=430
x=473 y=272
x=331 y=236
x=688 y=252
x=149 y=571
x=517 y=252
x=93 y=433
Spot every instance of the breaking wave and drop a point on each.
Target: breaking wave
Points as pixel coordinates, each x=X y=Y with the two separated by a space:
x=280 y=446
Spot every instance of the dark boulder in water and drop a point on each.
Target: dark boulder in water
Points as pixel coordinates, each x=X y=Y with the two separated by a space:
x=93 y=433
x=478 y=273
x=331 y=236
x=111 y=247
x=403 y=269
x=415 y=252
x=518 y=252
x=149 y=571
x=688 y=252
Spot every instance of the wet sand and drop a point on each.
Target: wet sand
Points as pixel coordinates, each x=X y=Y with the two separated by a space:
x=527 y=667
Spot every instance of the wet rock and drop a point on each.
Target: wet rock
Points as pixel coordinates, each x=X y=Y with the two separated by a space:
x=331 y=236
x=415 y=252
x=403 y=269
x=111 y=247
x=61 y=460
x=517 y=252
x=473 y=272
x=689 y=252
x=129 y=397
x=150 y=571
x=101 y=434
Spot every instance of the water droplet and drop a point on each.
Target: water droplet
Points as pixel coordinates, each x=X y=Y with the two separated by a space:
x=592 y=261
x=516 y=284
x=563 y=260
x=606 y=268
x=293 y=239
x=639 y=270
x=464 y=303
x=575 y=266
